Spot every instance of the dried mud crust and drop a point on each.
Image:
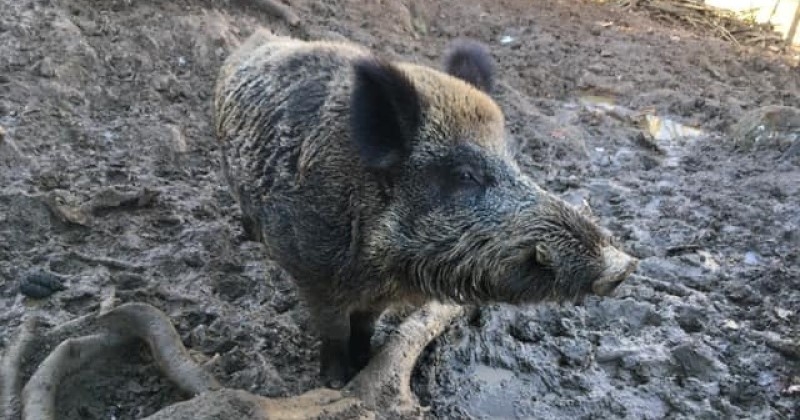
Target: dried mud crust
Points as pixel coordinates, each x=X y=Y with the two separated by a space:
x=105 y=100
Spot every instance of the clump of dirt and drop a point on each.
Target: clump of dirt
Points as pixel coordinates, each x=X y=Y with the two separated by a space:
x=109 y=178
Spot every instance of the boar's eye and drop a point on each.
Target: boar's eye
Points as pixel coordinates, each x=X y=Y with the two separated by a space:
x=466 y=176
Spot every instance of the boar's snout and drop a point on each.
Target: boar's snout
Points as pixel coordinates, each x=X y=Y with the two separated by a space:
x=617 y=267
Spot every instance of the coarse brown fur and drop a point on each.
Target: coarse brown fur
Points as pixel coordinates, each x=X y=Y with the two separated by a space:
x=373 y=182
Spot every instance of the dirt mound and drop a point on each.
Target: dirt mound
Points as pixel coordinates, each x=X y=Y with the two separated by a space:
x=109 y=178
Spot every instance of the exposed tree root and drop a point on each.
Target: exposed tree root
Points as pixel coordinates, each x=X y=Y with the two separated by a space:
x=10 y=375
x=39 y=395
x=386 y=381
x=145 y=322
x=381 y=390
x=229 y=403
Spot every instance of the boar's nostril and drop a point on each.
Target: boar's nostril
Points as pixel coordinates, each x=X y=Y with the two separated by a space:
x=618 y=266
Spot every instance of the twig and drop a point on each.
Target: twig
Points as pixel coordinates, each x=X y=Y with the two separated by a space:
x=108 y=262
x=10 y=387
x=279 y=10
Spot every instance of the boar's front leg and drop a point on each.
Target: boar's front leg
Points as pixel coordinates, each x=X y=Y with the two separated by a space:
x=334 y=329
x=362 y=326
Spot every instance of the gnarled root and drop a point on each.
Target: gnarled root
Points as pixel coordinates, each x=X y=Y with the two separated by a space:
x=228 y=403
x=386 y=381
x=382 y=389
x=151 y=325
x=107 y=332
x=39 y=395
x=10 y=375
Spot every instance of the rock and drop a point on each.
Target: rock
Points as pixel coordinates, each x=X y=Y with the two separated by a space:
x=67 y=213
x=699 y=390
x=628 y=311
x=113 y=198
x=678 y=271
x=128 y=281
x=39 y=284
x=526 y=329
x=783 y=314
x=730 y=325
x=696 y=360
x=575 y=352
x=742 y=294
x=647 y=362
x=771 y=127
x=691 y=319
x=751 y=258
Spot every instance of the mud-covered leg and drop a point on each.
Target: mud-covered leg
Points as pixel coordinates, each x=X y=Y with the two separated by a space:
x=251 y=230
x=334 y=329
x=362 y=326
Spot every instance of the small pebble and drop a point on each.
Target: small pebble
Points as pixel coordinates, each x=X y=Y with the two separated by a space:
x=751 y=258
x=730 y=325
x=506 y=40
x=783 y=314
x=765 y=379
x=40 y=284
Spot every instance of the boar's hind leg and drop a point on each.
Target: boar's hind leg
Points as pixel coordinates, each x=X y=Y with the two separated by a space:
x=252 y=230
x=362 y=326
x=334 y=330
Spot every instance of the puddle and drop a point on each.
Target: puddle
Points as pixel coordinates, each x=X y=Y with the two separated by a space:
x=492 y=376
x=664 y=134
x=666 y=130
x=497 y=393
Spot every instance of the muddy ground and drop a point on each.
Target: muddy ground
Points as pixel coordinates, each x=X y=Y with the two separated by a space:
x=109 y=178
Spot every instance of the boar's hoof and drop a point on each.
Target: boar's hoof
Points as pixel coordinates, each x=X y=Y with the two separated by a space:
x=618 y=266
x=335 y=368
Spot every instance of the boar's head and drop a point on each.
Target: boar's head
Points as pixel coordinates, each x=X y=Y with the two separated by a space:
x=462 y=222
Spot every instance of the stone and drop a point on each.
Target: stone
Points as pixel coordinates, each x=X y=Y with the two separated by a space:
x=692 y=319
x=770 y=127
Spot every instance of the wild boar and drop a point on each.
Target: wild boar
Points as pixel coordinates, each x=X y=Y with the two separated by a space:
x=373 y=182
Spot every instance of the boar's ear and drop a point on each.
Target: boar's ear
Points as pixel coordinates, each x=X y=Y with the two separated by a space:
x=385 y=112
x=470 y=61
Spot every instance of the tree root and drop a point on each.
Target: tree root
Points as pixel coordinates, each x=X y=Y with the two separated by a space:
x=151 y=325
x=39 y=395
x=380 y=390
x=10 y=403
x=386 y=380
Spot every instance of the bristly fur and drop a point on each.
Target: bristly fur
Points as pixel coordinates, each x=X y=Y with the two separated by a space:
x=470 y=60
x=373 y=182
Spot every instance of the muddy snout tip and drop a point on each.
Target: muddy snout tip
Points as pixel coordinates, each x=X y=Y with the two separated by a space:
x=618 y=266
